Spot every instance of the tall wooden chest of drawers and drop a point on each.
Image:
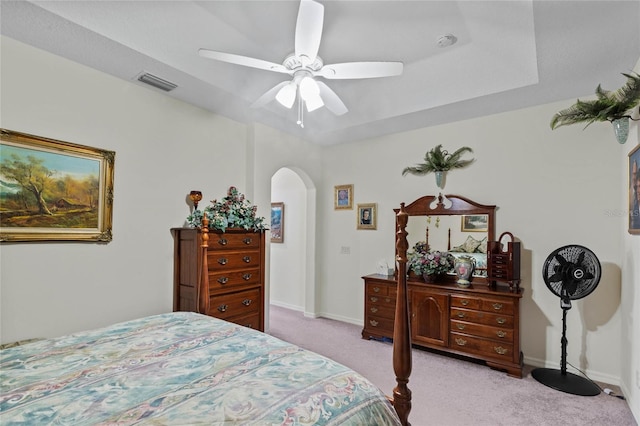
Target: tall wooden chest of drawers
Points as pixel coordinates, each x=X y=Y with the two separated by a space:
x=235 y=260
x=477 y=322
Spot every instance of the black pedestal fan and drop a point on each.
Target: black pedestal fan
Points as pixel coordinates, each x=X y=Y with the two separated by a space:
x=570 y=272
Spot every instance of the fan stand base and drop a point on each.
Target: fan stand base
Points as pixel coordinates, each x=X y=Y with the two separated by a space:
x=568 y=382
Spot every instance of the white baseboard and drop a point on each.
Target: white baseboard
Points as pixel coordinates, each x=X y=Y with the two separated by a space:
x=593 y=375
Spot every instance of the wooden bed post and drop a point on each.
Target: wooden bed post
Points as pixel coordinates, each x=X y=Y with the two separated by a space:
x=203 y=281
x=402 y=326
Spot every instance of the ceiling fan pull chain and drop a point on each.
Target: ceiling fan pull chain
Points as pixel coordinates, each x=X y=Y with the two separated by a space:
x=300 y=111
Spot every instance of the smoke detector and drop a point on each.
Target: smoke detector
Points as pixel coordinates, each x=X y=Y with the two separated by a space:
x=447 y=40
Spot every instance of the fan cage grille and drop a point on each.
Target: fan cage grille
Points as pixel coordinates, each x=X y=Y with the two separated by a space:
x=574 y=256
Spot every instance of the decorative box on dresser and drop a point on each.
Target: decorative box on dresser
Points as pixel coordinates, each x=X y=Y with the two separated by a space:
x=233 y=288
x=478 y=322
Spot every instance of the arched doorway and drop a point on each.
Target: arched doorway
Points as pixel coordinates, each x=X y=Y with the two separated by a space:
x=292 y=262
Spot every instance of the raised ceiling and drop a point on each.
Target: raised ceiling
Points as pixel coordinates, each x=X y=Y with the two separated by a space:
x=509 y=54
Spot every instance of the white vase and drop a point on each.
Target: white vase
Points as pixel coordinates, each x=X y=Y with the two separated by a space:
x=621 y=129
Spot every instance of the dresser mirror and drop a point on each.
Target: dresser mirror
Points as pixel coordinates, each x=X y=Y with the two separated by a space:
x=455 y=224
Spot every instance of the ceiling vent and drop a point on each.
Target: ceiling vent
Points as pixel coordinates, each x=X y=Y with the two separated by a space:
x=156 y=82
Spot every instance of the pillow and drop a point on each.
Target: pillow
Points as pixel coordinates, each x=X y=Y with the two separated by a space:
x=482 y=247
x=469 y=246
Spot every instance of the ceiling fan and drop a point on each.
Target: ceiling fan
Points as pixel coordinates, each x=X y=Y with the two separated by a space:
x=304 y=65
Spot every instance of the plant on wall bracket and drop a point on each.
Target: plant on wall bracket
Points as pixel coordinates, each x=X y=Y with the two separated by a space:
x=439 y=161
x=614 y=106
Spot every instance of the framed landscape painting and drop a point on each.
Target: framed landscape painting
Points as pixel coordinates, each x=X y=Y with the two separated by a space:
x=52 y=190
x=277 y=222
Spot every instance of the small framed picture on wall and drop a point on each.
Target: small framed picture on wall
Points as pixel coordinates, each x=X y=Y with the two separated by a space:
x=277 y=222
x=343 y=197
x=634 y=191
x=367 y=216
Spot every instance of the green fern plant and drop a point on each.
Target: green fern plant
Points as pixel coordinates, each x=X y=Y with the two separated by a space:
x=439 y=160
x=608 y=105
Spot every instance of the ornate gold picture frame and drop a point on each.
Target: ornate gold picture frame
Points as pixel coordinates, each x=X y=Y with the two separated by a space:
x=52 y=190
x=367 y=216
x=343 y=197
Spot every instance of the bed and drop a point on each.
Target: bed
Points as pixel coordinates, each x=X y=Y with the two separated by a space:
x=181 y=368
x=186 y=368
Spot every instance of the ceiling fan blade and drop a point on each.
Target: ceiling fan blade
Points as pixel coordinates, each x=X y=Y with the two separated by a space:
x=352 y=70
x=309 y=30
x=331 y=100
x=269 y=95
x=243 y=60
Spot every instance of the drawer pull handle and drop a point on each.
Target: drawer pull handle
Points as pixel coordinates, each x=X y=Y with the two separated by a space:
x=501 y=320
x=461 y=342
x=388 y=299
x=374 y=299
x=500 y=350
x=246 y=276
x=222 y=308
x=222 y=261
x=249 y=325
x=246 y=302
x=461 y=315
x=501 y=333
x=464 y=302
x=223 y=280
x=374 y=323
x=374 y=309
x=460 y=326
x=223 y=241
x=246 y=259
x=376 y=289
x=247 y=240
x=497 y=306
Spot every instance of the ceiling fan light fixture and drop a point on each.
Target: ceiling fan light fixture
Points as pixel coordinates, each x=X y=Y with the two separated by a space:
x=287 y=95
x=310 y=93
x=308 y=88
x=313 y=103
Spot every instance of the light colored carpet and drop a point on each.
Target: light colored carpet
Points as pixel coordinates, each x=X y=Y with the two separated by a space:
x=448 y=391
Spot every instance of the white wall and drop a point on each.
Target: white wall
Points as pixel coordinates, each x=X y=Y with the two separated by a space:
x=552 y=188
x=160 y=144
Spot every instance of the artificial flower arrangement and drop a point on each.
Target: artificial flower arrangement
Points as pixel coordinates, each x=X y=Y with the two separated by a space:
x=422 y=261
x=232 y=211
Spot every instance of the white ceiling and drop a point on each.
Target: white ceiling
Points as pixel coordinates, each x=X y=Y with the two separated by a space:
x=509 y=54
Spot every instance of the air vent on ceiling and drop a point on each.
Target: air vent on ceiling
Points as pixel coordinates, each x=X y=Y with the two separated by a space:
x=156 y=82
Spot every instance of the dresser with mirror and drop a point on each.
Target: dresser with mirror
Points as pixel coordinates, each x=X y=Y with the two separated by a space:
x=480 y=321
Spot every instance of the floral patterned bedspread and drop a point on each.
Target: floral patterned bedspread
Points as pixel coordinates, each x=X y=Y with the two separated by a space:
x=181 y=368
